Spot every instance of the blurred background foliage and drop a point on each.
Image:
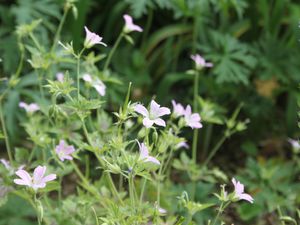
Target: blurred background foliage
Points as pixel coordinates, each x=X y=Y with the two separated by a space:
x=254 y=46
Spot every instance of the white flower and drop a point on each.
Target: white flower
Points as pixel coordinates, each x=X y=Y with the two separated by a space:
x=129 y=25
x=31 y=108
x=192 y=119
x=92 y=39
x=239 y=191
x=144 y=154
x=178 y=109
x=153 y=116
x=37 y=181
x=200 y=62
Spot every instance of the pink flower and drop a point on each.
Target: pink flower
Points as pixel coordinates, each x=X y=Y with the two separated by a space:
x=92 y=39
x=129 y=25
x=153 y=116
x=178 y=109
x=60 y=77
x=200 y=62
x=96 y=83
x=144 y=154
x=64 y=151
x=31 y=108
x=239 y=191
x=37 y=181
x=192 y=119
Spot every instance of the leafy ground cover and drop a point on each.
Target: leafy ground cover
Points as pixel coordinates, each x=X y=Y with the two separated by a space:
x=149 y=112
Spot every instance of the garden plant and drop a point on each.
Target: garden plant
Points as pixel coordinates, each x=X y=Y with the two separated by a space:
x=184 y=113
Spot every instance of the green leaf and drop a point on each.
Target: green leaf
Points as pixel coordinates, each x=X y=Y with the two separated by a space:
x=233 y=60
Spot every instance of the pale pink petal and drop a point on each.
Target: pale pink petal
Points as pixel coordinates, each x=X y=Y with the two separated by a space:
x=246 y=197
x=141 y=109
x=129 y=25
x=21 y=182
x=60 y=77
x=154 y=108
x=24 y=176
x=23 y=105
x=48 y=178
x=153 y=160
x=87 y=77
x=38 y=173
x=147 y=122
x=160 y=122
x=100 y=88
x=164 y=111
x=143 y=150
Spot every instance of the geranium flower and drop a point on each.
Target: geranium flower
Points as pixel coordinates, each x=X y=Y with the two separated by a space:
x=64 y=151
x=200 y=62
x=178 y=109
x=37 y=181
x=96 y=83
x=129 y=25
x=192 y=119
x=239 y=191
x=92 y=39
x=153 y=116
x=60 y=77
x=144 y=154
x=31 y=108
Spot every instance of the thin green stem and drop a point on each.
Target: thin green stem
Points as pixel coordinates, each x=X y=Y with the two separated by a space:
x=109 y=178
x=147 y=27
x=214 y=151
x=280 y=215
x=57 y=34
x=220 y=210
x=78 y=72
x=195 y=135
x=20 y=66
x=143 y=190
x=9 y=152
x=37 y=210
x=35 y=41
x=107 y=62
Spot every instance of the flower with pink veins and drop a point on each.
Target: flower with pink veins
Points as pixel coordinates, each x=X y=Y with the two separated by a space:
x=178 y=109
x=129 y=25
x=92 y=39
x=153 y=115
x=144 y=154
x=38 y=180
x=200 y=62
x=96 y=83
x=64 y=151
x=239 y=191
x=192 y=119
x=29 y=108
